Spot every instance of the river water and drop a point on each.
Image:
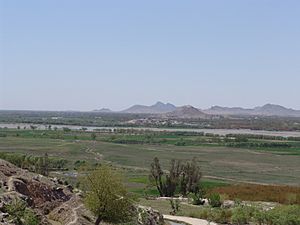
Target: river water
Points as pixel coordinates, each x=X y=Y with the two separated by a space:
x=212 y=131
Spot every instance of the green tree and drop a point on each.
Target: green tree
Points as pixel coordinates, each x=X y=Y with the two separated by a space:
x=182 y=177
x=190 y=178
x=106 y=196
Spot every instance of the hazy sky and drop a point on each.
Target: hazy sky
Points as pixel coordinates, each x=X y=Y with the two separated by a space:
x=84 y=54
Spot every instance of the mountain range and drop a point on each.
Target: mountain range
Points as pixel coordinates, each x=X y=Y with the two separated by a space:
x=157 y=108
x=266 y=110
x=170 y=110
x=186 y=112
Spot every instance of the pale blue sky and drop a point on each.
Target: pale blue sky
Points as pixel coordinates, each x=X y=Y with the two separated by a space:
x=84 y=54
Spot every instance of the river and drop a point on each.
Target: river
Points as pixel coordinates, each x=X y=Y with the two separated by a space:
x=212 y=131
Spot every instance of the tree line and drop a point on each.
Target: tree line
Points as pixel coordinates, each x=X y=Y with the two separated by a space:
x=38 y=164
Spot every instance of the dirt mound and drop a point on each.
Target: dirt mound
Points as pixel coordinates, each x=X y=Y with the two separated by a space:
x=40 y=195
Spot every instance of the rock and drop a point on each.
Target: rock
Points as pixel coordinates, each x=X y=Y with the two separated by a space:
x=39 y=192
x=228 y=204
x=149 y=216
x=70 y=187
x=206 y=203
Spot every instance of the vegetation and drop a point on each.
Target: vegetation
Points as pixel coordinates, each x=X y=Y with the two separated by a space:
x=37 y=164
x=214 y=200
x=241 y=215
x=258 y=159
x=217 y=159
x=20 y=214
x=120 y=119
x=182 y=177
x=175 y=205
x=268 y=193
x=106 y=196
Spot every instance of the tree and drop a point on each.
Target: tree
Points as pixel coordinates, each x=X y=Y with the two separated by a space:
x=182 y=177
x=106 y=196
x=156 y=174
x=33 y=127
x=190 y=179
x=42 y=165
x=173 y=178
x=46 y=165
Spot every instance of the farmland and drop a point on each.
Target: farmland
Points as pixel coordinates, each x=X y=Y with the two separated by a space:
x=266 y=161
x=251 y=168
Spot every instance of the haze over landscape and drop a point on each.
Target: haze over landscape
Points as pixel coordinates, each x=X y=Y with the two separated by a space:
x=107 y=54
x=150 y=112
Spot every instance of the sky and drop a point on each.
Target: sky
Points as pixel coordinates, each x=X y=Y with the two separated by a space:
x=85 y=55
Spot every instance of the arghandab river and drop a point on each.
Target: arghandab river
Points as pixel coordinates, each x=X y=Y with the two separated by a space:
x=212 y=131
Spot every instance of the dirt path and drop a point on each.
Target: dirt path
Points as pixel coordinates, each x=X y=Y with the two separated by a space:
x=75 y=215
x=188 y=220
x=10 y=184
x=90 y=150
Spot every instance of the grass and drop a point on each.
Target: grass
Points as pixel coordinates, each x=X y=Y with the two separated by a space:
x=164 y=206
x=271 y=166
x=139 y=184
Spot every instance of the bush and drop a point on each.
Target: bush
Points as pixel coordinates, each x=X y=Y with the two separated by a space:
x=222 y=216
x=20 y=215
x=175 y=206
x=197 y=200
x=243 y=214
x=281 y=215
x=30 y=218
x=215 y=200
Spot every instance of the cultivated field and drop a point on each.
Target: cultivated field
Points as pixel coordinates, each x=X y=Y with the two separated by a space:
x=261 y=165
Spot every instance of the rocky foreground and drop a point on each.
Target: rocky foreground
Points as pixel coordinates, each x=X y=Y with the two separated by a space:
x=53 y=202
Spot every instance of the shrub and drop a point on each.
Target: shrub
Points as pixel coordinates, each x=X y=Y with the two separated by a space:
x=30 y=218
x=243 y=214
x=268 y=193
x=222 y=216
x=197 y=200
x=175 y=206
x=203 y=213
x=283 y=215
x=215 y=200
x=20 y=215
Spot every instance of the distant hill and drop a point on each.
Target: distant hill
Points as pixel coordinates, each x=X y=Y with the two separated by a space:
x=170 y=110
x=186 y=112
x=266 y=110
x=103 y=110
x=276 y=110
x=157 y=108
x=219 y=110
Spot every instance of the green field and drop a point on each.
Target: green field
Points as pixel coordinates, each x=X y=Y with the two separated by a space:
x=270 y=165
